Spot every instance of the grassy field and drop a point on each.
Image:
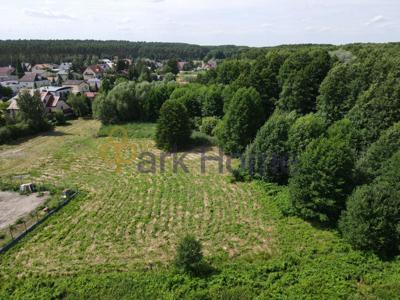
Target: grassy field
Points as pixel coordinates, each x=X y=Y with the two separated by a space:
x=118 y=239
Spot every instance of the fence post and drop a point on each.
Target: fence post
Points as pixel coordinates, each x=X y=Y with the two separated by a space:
x=12 y=237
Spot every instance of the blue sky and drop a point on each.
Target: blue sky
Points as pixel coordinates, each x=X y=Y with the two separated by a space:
x=206 y=22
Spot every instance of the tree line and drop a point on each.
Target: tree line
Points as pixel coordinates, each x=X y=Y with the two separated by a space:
x=57 y=51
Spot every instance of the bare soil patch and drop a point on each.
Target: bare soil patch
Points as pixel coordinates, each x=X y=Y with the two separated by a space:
x=14 y=206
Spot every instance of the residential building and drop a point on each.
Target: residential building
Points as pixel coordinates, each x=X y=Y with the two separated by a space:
x=94 y=84
x=77 y=86
x=94 y=71
x=33 y=81
x=7 y=74
x=57 y=91
x=51 y=103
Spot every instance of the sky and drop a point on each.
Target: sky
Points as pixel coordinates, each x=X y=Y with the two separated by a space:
x=204 y=22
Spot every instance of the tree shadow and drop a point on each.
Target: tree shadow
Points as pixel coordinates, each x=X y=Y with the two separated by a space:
x=24 y=139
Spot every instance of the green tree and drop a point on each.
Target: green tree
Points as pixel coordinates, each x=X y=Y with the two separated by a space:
x=213 y=102
x=5 y=92
x=104 y=110
x=173 y=126
x=80 y=104
x=208 y=124
x=376 y=110
x=189 y=255
x=322 y=179
x=370 y=164
x=371 y=221
x=32 y=111
x=155 y=98
x=306 y=129
x=334 y=100
x=171 y=67
x=191 y=96
x=268 y=156
x=242 y=121
x=301 y=84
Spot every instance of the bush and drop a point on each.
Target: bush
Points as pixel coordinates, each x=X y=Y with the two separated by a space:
x=242 y=121
x=371 y=221
x=322 y=179
x=173 y=127
x=12 y=132
x=268 y=156
x=60 y=118
x=208 y=124
x=189 y=255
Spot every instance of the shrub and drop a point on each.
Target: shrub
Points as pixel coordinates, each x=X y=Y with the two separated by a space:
x=322 y=179
x=189 y=255
x=242 y=121
x=173 y=127
x=208 y=124
x=268 y=156
x=60 y=118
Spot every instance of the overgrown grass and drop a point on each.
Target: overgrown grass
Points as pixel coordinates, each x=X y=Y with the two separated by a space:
x=118 y=241
x=131 y=130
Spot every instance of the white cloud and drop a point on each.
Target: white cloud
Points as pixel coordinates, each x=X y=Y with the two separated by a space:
x=375 y=20
x=48 y=14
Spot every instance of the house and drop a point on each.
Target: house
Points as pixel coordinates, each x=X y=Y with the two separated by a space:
x=63 y=75
x=106 y=64
x=64 y=67
x=211 y=64
x=6 y=74
x=181 y=65
x=33 y=81
x=94 y=71
x=51 y=103
x=57 y=91
x=42 y=68
x=94 y=84
x=77 y=86
x=55 y=103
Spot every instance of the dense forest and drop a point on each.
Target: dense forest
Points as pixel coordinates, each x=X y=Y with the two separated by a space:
x=323 y=120
x=57 y=51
